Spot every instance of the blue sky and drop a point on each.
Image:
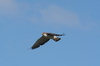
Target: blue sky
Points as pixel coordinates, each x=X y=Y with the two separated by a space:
x=23 y=21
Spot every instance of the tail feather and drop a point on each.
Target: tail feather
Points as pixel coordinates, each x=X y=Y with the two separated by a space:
x=56 y=39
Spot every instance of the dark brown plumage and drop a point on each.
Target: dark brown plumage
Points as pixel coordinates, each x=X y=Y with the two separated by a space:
x=40 y=41
x=45 y=38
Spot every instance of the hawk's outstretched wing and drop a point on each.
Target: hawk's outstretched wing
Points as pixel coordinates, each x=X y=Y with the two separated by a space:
x=42 y=40
x=53 y=34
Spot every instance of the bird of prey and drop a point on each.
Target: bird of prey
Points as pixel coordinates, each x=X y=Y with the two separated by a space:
x=45 y=38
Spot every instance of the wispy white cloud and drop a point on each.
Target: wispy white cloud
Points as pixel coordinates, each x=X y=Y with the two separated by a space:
x=12 y=10
x=6 y=3
x=50 y=15
x=57 y=16
x=8 y=7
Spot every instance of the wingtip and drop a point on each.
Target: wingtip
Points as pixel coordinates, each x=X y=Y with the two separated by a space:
x=32 y=48
x=63 y=34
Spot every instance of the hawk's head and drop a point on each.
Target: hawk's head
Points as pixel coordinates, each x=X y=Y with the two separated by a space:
x=44 y=34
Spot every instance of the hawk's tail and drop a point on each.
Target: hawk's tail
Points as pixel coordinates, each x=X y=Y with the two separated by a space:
x=56 y=39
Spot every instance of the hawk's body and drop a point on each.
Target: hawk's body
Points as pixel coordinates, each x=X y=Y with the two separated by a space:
x=45 y=38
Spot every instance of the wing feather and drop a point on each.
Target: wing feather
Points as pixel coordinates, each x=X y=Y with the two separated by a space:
x=53 y=34
x=42 y=40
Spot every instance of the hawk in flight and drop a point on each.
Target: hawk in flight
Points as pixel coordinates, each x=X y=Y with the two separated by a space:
x=45 y=38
